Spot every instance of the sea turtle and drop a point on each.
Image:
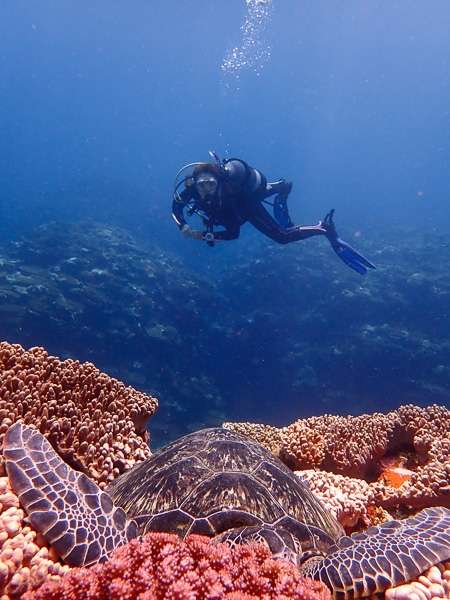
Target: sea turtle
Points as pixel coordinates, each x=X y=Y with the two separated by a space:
x=218 y=483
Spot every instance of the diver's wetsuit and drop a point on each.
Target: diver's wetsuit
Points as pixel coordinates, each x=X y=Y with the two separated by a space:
x=233 y=205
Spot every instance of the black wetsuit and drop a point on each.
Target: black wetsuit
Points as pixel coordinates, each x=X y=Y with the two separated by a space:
x=233 y=205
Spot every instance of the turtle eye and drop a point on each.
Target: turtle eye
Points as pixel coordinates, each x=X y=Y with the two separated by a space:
x=309 y=554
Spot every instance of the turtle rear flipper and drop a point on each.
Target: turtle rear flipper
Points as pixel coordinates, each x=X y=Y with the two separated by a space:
x=385 y=556
x=75 y=516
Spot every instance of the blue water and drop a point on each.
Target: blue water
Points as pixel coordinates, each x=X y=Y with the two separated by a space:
x=102 y=102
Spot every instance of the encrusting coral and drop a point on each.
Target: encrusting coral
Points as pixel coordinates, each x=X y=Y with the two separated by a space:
x=97 y=424
x=161 y=566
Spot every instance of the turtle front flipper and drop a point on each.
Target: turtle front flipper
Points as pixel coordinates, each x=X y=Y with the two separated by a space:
x=76 y=517
x=385 y=556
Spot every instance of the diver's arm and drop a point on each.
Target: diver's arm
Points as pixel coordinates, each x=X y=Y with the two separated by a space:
x=178 y=216
x=178 y=206
x=231 y=233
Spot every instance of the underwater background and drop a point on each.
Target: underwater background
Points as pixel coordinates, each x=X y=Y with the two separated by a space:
x=101 y=103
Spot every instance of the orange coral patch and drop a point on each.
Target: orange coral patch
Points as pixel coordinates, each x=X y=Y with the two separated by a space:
x=395 y=477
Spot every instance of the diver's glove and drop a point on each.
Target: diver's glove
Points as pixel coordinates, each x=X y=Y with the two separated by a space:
x=347 y=253
x=187 y=232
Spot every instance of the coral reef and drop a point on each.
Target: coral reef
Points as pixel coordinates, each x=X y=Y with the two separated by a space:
x=434 y=583
x=98 y=425
x=252 y=322
x=346 y=498
x=26 y=560
x=268 y=436
x=161 y=566
x=95 y=422
x=360 y=447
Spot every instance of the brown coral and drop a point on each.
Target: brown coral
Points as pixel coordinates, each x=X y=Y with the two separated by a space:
x=161 y=566
x=429 y=484
x=96 y=423
x=356 y=446
x=350 y=445
x=268 y=436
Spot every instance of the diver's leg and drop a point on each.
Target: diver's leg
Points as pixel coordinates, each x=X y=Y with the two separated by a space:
x=262 y=220
x=282 y=187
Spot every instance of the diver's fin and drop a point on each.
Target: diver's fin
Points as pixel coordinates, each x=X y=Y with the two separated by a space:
x=352 y=257
x=346 y=253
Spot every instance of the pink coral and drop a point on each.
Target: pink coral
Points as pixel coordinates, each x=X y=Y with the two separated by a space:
x=26 y=560
x=162 y=566
x=434 y=583
x=347 y=499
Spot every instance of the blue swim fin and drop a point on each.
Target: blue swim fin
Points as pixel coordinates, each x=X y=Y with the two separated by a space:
x=347 y=253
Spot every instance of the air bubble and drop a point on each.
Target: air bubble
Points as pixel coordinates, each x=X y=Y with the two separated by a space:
x=254 y=50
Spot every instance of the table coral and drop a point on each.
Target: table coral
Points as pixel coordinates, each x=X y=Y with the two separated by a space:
x=161 y=566
x=96 y=423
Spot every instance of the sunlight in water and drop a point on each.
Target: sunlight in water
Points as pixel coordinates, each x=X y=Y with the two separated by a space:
x=254 y=50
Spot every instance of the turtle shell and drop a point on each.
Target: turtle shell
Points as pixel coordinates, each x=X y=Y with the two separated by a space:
x=214 y=480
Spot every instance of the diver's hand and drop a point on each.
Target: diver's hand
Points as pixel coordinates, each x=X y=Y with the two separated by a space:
x=187 y=232
x=346 y=253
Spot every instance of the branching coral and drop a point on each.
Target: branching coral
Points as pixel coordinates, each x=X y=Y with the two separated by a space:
x=161 y=566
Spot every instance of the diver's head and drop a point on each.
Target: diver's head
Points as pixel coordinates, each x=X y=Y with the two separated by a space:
x=206 y=177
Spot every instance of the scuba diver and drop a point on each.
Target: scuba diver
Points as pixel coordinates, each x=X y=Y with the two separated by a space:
x=229 y=193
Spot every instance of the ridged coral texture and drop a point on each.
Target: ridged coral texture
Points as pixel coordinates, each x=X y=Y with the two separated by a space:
x=97 y=424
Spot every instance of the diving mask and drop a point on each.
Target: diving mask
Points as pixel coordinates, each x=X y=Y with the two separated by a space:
x=206 y=185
